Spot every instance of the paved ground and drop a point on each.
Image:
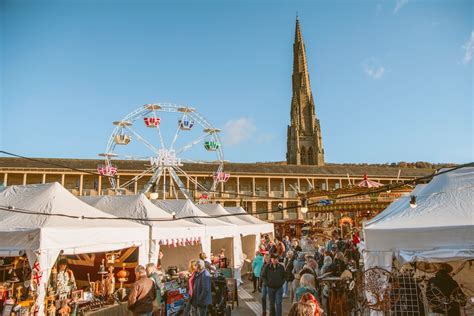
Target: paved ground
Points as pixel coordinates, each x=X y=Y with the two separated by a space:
x=250 y=303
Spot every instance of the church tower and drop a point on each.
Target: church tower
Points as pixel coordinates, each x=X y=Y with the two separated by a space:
x=304 y=141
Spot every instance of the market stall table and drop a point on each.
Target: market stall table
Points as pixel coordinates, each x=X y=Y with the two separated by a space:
x=113 y=310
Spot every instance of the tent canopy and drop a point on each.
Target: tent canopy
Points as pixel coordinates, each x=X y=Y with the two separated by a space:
x=70 y=234
x=245 y=227
x=439 y=228
x=140 y=208
x=366 y=183
x=167 y=233
x=263 y=226
x=215 y=228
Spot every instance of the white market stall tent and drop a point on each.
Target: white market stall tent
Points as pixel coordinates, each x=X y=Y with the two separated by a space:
x=44 y=237
x=178 y=239
x=259 y=226
x=245 y=227
x=439 y=229
x=220 y=233
x=250 y=230
x=263 y=227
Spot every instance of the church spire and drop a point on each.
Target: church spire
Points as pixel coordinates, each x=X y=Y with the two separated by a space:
x=298 y=36
x=304 y=143
x=300 y=65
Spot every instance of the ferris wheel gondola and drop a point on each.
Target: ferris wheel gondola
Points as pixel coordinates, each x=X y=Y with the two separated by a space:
x=164 y=159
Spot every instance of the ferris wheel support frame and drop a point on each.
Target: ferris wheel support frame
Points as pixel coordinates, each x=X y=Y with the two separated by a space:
x=159 y=171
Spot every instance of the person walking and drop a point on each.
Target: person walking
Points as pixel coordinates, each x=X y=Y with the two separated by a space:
x=263 y=284
x=142 y=295
x=287 y=242
x=295 y=246
x=201 y=298
x=327 y=262
x=280 y=250
x=320 y=257
x=332 y=242
x=289 y=276
x=257 y=265
x=274 y=276
x=307 y=285
x=310 y=299
x=298 y=265
x=301 y=309
x=152 y=273
x=271 y=246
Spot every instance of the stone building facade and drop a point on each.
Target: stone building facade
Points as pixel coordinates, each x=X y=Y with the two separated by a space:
x=254 y=186
x=304 y=140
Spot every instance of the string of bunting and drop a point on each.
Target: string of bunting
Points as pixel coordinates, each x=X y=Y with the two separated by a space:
x=176 y=242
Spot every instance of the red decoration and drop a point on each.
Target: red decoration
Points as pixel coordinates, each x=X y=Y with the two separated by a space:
x=37 y=274
x=221 y=176
x=152 y=121
x=107 y=170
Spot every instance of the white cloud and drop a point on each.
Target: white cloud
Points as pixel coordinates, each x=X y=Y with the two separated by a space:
x=400 y=4
x=374 y=69
x=238 y=130
x=468 y=49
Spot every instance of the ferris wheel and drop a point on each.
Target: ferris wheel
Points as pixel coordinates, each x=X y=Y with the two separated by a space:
x=163 y=137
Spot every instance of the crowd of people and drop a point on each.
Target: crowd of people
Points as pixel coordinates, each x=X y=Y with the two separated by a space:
x=145 y=298
x=282 y=270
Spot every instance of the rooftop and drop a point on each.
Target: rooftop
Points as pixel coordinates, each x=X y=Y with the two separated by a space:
x=266 y=168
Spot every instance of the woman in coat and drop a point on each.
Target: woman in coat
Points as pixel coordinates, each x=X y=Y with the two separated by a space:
x=307 y=285
x=257 y=265
x=298 y=265
x=201 y=298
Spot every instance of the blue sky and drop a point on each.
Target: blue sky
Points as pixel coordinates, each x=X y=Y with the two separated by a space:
x=392 y=80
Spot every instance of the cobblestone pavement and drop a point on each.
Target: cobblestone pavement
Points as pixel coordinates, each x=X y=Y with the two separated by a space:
x=250 y=303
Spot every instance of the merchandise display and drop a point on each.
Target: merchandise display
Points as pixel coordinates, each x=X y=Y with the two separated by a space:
x=18 y=285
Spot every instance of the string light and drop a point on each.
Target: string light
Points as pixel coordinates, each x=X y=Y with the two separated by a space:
x=384 y=188
x=304 y=206
x=153 y=195
x=29 y=212
x=412 y=201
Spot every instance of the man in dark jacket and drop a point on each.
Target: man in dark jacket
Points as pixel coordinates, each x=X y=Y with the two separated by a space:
x=274 y=276
x=140 y=300
x=201 y=298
